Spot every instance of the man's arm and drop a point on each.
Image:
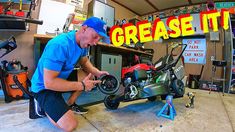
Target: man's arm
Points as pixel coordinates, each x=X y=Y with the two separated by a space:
x=52 y=82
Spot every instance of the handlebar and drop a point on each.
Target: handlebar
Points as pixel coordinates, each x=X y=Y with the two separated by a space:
x=175 y=61
x=3 y=44
x=28 y=20
x=34 y=21
x=9 y=45
x=176 y=46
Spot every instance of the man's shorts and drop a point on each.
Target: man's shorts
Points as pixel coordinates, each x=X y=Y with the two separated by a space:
x=52 y=102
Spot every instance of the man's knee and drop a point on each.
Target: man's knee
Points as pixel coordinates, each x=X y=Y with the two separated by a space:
x=70 y=126
x=68 y=122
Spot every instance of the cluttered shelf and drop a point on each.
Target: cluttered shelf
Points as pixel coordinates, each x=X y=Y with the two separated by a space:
x=123 y=49
x=44 y=39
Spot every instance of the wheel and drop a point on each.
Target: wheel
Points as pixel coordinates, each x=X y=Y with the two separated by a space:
x=163 y=97
x=131 y=92
x=153 y=98
x=178 y=87
x=110 y=103
x=109 y=84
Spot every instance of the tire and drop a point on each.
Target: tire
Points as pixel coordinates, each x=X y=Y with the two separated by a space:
x=110 y=103
x=163 y=97
x=153 y=98
x=109 y=85
x=178 y=87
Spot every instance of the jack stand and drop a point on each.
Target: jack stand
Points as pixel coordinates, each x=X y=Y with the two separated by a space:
x=168 y=110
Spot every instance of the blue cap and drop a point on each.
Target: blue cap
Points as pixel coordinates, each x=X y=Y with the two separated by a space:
x=97 y=24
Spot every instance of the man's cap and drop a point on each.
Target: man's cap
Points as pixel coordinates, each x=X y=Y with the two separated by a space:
x=97 y=24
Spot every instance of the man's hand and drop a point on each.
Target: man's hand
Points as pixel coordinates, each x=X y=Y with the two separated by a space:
x=89 y=84
x=100 y=73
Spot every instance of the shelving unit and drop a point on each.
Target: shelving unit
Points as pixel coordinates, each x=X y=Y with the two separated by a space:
x=233 y=54
x=230 y=56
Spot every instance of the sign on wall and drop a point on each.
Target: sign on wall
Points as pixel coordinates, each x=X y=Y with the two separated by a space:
x=221 y=5
x=78 y=3
x=195 y=52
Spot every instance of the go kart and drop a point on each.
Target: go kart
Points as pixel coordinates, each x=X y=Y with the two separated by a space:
x=142 y=82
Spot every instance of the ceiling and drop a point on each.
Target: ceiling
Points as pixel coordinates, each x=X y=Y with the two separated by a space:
x=144 y=7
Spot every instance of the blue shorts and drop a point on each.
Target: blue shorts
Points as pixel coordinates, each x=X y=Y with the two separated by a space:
x=52 y=102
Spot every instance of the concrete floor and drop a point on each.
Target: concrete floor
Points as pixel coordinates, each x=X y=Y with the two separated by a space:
x=212 y=113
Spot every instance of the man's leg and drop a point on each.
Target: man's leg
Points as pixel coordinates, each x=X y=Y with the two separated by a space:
x=67 y=122
x=56 y=109
x=80 y=76
x=73 y=97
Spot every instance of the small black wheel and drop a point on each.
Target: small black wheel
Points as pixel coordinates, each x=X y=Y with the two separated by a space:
x=178 y=87
x=153 y=98
x=163 y=97
x=109 y=84
x=110 y=102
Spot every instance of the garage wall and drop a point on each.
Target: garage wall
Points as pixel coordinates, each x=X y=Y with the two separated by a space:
x=24 y=51
x=25 y=42
x=120 y=12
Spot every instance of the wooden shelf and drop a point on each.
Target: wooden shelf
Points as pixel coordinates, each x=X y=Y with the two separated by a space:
x=121 y=49
x=42 y=36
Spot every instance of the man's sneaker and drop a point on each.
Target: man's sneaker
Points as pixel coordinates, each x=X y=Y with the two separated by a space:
x=78 y=109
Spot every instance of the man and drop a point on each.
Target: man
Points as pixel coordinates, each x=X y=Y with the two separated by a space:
x=56 y=64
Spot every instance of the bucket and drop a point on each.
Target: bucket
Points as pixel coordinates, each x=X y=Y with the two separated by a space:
x=193 y=81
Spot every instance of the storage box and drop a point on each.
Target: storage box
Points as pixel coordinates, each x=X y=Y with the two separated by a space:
x=112 y=64
x=204 y=85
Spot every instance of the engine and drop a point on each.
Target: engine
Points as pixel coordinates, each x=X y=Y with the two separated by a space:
x=135 y=82
x=138 y=77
